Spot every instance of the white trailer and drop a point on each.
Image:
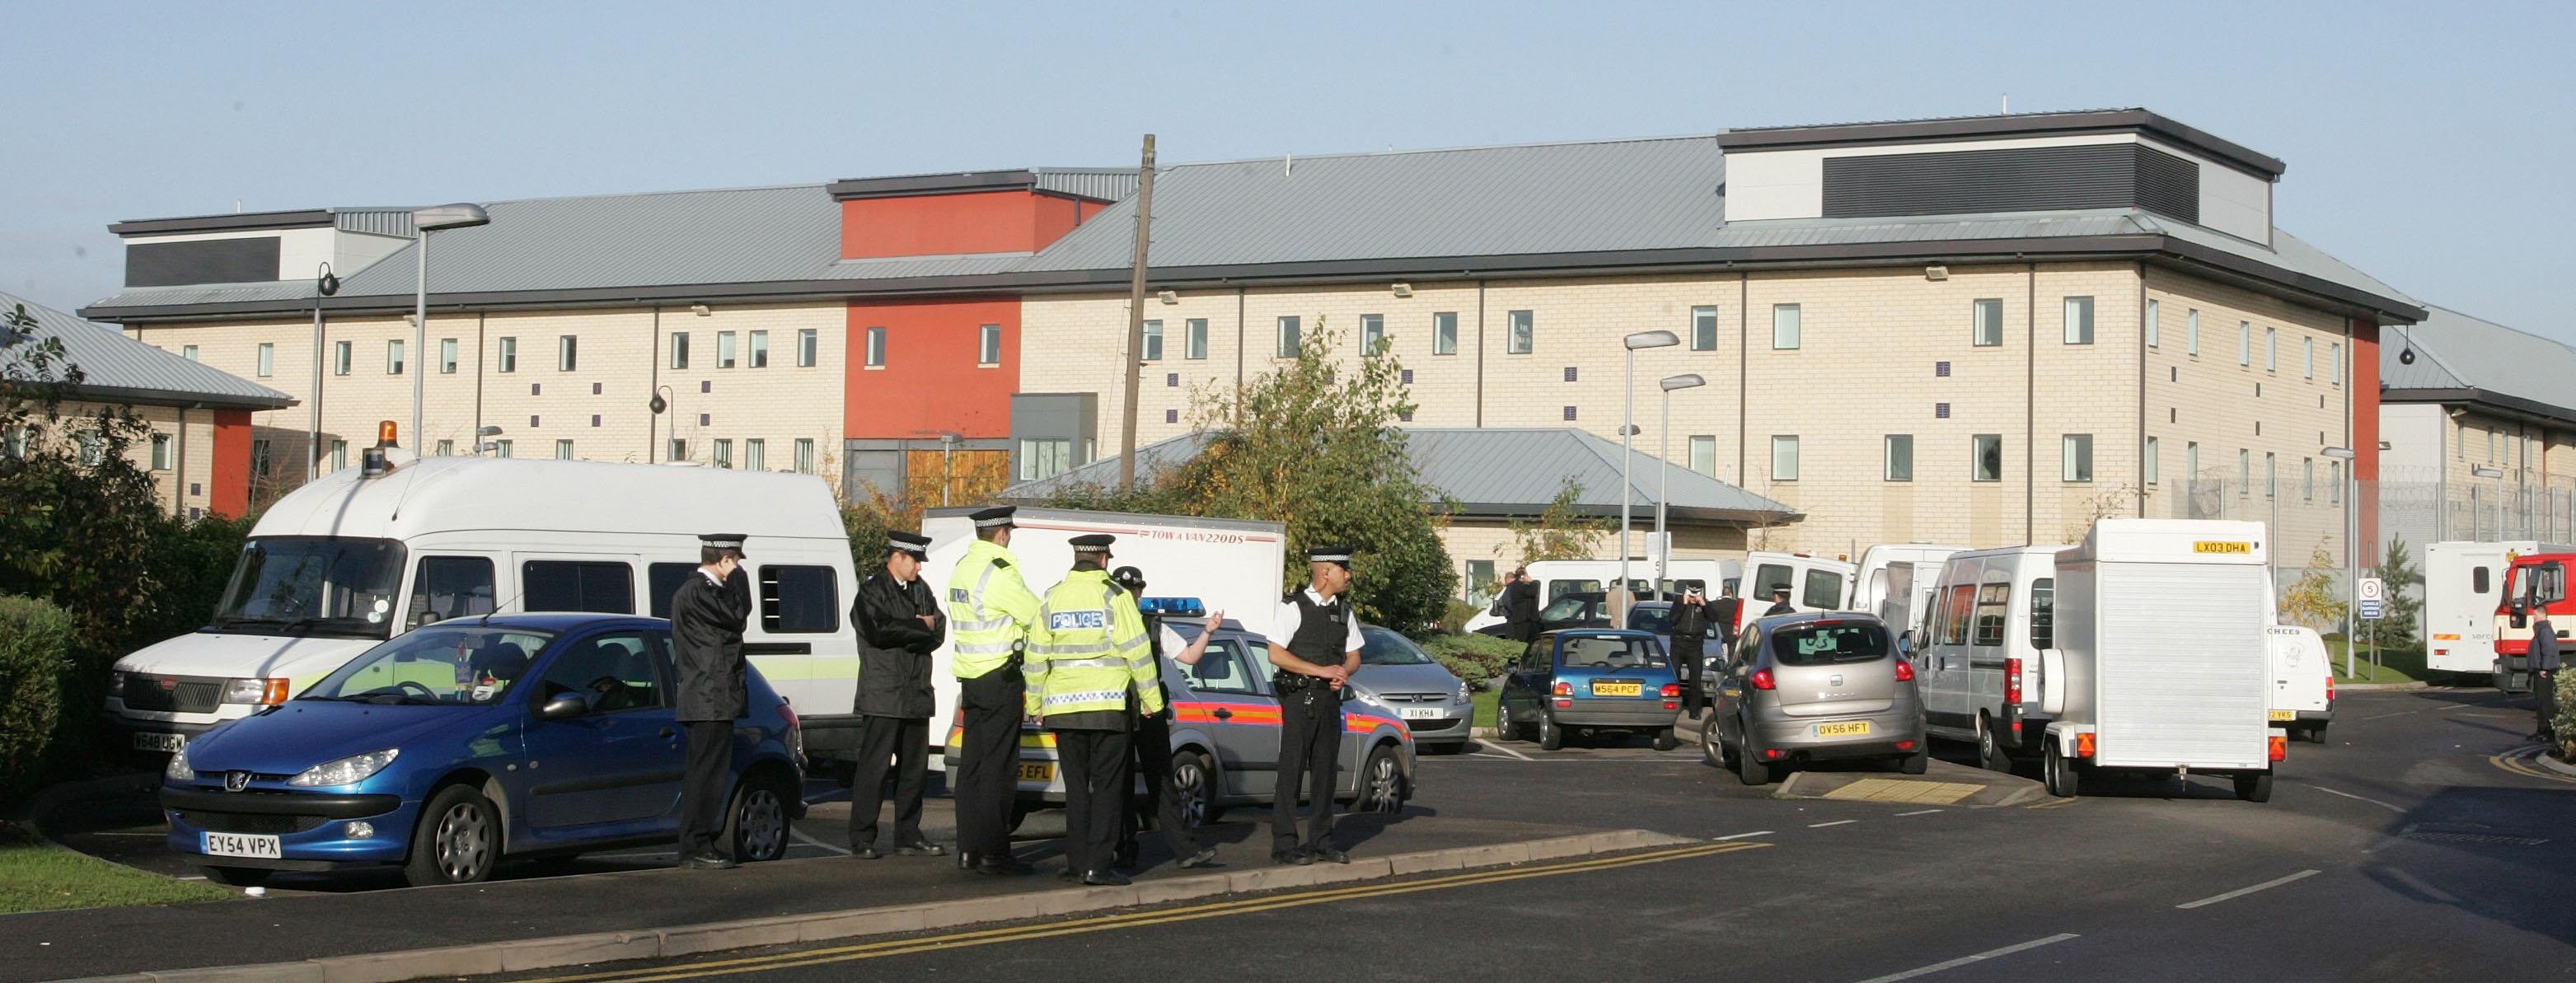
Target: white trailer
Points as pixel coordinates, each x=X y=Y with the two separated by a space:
x=2162 y=658
x=1232 y=565
x=2464 y=585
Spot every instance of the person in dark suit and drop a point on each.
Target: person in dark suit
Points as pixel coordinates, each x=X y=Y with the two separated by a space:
x=708 y=612
x=2544 y=675
x=1520 y=606
x=1779 y=601
x=1726 y=613
x=899 y=623
x=1690 y=633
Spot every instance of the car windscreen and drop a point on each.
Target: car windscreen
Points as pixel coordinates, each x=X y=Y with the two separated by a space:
x=1379 y=647
x=1610 y=652
x=455 y=665
x=1568 y=608
x=1829 y=643
x=296 y=585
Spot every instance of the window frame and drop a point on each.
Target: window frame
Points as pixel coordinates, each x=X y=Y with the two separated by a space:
x=755 y=454
x=768 y=603
x=2155 y=325
x=1444 y=332
x=625 y=582
x=1795 y=458
x=1520 y=332
x=721 y=453
x=1694 y=444
x=342 y=354
x=2151 y=459
x=2191 y=328
x=2308 y=356
x=758 y=343
x=728 y=349
x=1990 y=630
x=804 y=452
x=1889 y=469
x=508 y=358
x=1373 y=341
x=1703 y=328
x=679 y=350
x=1150 y=340
x=447 y=356
x=2075 y=458
x=416 y=601
x=1793 y=328
x=1986 y=330
x=2078 y=330
x=874 y=356
x=567 y=353
x=1194 y=339
x=809 y=344
x=563 y=449
x=394 y=357
x=1291 y=340
x=1977 y=444
x=267 y=359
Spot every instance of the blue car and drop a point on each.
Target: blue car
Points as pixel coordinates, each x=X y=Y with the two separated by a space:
x=461 y=743
x=1590 y=681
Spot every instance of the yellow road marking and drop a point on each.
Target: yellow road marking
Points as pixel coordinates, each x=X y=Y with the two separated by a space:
x=2517 y=762
x=1896 y=790
x=872 y=950
x=2058 y=804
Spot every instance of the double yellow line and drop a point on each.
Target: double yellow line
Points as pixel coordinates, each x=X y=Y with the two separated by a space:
x=898 y=947
x=2514 y=761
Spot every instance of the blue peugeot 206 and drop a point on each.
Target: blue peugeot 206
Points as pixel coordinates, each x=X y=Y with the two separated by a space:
x=453 y=746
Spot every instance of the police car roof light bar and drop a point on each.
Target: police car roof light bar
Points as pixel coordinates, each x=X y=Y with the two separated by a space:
x=1172 y=607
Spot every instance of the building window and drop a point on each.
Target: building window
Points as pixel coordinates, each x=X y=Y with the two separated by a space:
x=2244 y=473
x=2191 y=332
x=394 y=357
x=679 y=450
x=188 y=352
x=755 y=454
x=876 y=348
x=1044 y=458
x=2191 y=463
x=340 y=358
x=2245 y=343
x=447 y=356
x=2334 y=482
x=259 y=469
x=2155 y=324
x=679 y=349
x=563 y=450
x=1152 y=342
x=1289 y=344
x=1479 y=582
x=804 y=455
x=724 y=453
x=724 y=350
x=567 y=353
x=446 y=448
x=760 y=349
x=339 y=454
x=988 y=345
x=2079 y=320
x=2077 y=457
x=1786 y=326
x=807 y=339
x=1900 y=457
x=1987 y=316
x=500 y=448
x=2307 y=479
x=267 y=359
x=2308 y=358
x=1444 y=333
x=1194 y=338
x=2154 y=464
x=2271 y=349
x=1784 y=458
x=2271 y=476
x=1703 y=455
x=1522 y=336
x=160 y=452
x=1986 y=452
x=1372 y=334
x=2334 y=354
x=1703 y=333
x=509 y=356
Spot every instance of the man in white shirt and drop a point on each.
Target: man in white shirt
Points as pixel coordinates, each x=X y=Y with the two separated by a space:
x=1314 y=648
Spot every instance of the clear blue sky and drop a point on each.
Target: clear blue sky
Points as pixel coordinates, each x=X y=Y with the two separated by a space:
x=2429 y=144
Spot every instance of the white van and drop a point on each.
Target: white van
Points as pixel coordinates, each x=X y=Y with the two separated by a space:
x=1558 y=579
x=2464 y=586
x=2302 y=682
x=1894 y=581
x=353 y=559
x=1815 y=583
x=1991 y=614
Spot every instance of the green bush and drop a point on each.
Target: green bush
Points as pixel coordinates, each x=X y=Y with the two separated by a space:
x=2562 y=726
x=1478 y=659
x=1459 y=613
x=36 y=644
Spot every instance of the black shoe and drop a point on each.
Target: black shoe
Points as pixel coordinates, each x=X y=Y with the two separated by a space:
x=965 y=860
x=1004 y=865
x=709 y=861
x=869 y=853
x=1321 y=852
x=1106 y=878
x=1298 y=858
x=923 y=848
x=1206 y=857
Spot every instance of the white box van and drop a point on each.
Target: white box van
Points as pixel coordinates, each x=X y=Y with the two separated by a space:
x=2162 y=659
x=1990 y=615
x=1894 y=581
x=2302 y=682
x=2464 y=585
x=1559 y=578
x=1815 y=583
x=352 y=559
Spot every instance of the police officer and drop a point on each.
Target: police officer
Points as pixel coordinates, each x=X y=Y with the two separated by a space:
x=1314 y=648
x=1153 y=742
x=1088 y=656
x=1779 y=601
x=991 y=612
x=898 y=624
x=708 y=612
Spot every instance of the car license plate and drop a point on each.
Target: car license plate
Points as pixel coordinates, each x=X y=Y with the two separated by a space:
x=1424 y=713
x=160 y=742
x=239 y=845
x=1037 y=772
x=2285 y=715
x=1847 y=728
x=1618 y=689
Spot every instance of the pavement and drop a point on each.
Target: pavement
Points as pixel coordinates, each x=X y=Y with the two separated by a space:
x=2423 y=841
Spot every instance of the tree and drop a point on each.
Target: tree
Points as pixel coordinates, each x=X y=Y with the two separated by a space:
x=2313 y=600
x=1561 y=533
x=2397 y=626
x=79 y=517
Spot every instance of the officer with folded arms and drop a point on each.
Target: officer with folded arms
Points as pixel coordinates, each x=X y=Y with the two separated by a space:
x=898 y=624
x=1088 y=656
x=1153 y=741
x=708 y=613
x=990 y=614
x=1314 y=648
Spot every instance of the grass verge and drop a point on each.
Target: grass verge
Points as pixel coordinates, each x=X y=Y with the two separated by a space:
x=1485 y=707
x=39 y=876
x=2395 y=665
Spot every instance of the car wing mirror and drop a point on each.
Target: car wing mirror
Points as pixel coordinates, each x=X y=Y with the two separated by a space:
x=563 y=707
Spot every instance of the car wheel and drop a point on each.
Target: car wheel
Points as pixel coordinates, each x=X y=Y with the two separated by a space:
x=1749 y=768
x=238 y=876
x=1990 y=749
x=1550 y=736
x=757 y=824
x=1665 y=741
x=458 y=840
x=1381 y=783
x=1713 y=748
x=2317 y=734
x=2255 y=787
x=1918 y=762
x=1194 y=780
x=2057 y=773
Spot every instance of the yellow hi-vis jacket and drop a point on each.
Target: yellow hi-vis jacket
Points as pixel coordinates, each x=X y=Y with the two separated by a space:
x=990 y=609
x=1088 y=652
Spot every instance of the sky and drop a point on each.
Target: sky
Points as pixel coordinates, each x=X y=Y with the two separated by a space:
x=2420 y=137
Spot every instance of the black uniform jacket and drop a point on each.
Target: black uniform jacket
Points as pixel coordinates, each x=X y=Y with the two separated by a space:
x=894 y=645
x=706 y=645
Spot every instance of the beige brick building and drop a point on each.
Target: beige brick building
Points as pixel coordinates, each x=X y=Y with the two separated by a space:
x=2481 y=432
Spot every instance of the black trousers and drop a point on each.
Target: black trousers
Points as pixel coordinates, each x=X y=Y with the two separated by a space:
x=1095 y=795
x=2544 y=701
x=706 y=785
x=1153 y=743
x=905 y=741
x=1310 y=742
x=988 y=760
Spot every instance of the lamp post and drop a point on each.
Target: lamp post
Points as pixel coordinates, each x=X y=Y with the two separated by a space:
x=1627 y=429
x=481 y=445
x=324 y=285
x=662 y=398
x=426 y=221
x=1664 y=466
x=2351 y=555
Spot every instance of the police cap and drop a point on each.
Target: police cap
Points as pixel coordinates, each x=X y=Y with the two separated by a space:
x=722 y=540
x=908 y=542
x=1097 y=542
x=997 y=517
x=1330 y=554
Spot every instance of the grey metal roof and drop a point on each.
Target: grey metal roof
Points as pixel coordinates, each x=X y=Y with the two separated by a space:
x=1104 y=183
x=1494 y=472
x=120 y=369
x=1483 y=201
x=729 y=236
x=2468 y=359
x=897 y=267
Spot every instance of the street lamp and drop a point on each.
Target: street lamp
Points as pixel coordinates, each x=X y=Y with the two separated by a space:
x=662 y=398
x=948 y=441
x=481 y=445
x=2477 y=510
x=1664 y=466
x=2351 y=555
x=324 y=285
x=1628 y=428
x=426 y=221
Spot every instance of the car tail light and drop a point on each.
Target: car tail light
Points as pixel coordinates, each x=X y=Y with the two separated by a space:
x=1563 y=703
x=1563 y=688
x=1762 y=680
x=2012 y=680
x=1773 y=752
x=1905 y=745
x=2084 y=744
x=1672 y=691
x=1904 y=671
x=2280 y=747
x=2329 y=690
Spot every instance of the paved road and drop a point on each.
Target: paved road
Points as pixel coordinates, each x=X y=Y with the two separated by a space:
x=2409 y=847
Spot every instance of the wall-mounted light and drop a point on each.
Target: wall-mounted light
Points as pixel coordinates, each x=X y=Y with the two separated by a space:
x=1936 y=272
x=698 y=309
x=1404 y=290
x=1168 y=296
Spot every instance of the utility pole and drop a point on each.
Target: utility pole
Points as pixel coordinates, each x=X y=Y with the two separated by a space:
x=1136 y=319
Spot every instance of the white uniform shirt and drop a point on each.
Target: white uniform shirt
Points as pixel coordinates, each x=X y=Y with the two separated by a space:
x=1283 y=624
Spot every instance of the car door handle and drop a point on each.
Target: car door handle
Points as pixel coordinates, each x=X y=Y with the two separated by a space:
x=1223 y=714
x=667 y=732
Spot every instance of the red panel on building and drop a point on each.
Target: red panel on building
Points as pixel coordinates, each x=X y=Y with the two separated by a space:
x=971 y=222
x=229 y=494
x=932 y=379
x=2365 y=433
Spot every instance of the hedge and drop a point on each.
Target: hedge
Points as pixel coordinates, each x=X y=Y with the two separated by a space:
x=1478 y=659
x=36 y=645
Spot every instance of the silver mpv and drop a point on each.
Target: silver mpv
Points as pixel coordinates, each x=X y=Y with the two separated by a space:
x=1808 y=687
